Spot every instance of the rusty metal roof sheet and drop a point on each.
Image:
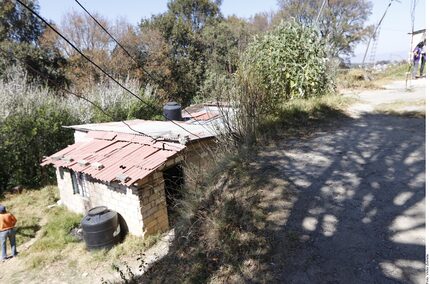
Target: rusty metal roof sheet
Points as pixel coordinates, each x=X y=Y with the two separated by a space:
x=202 y=115
x=115 y=157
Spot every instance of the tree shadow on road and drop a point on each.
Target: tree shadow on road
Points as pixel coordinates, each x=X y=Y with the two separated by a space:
x=343 y=205
x=348 y=205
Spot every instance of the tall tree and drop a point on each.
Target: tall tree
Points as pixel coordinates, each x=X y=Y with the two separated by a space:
x=225 y=41
x=182 y=28
x=19 y=25
x=20 y=34
x=94 y=42
x=341 y=23
x=87 y=36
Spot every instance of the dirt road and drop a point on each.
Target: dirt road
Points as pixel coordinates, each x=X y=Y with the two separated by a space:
x=348 y=204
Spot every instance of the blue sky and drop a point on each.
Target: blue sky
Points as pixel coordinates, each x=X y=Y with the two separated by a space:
x=393 y=42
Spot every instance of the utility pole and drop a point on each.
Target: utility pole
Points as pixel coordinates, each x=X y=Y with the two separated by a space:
x=376 y=30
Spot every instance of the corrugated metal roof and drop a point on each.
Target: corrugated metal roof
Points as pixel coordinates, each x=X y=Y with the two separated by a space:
x=120 y=154
x=202 y=115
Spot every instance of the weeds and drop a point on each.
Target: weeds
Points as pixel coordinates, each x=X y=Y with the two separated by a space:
x=363 y=79
x=301 y=116
x=55 y=234
x=220 y=232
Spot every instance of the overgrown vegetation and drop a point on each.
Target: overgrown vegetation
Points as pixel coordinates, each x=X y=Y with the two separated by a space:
x=184 y=51
x=34 y=115
x=276 y=71
x=222 y=235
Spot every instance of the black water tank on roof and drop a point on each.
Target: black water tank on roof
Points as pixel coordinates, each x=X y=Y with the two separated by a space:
x=101 y=228
x=172 y=111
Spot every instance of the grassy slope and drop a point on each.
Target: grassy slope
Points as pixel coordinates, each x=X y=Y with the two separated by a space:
x=30 y=208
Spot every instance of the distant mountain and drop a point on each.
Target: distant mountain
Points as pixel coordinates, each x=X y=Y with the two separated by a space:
x=389 y=56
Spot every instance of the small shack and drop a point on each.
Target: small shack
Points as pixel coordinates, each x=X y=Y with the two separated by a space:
x=114 y=166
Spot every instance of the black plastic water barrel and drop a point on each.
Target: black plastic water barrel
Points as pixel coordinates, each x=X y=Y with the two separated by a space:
x=172 y=111
x=101 y=228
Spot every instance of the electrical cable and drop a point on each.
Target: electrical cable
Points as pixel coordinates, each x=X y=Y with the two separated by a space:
x=45 y=76
x=131 y=57
x=119 y=44
x=97 y=66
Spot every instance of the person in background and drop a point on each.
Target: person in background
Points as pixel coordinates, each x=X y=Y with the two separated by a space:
x=416 y=59
x=423 y=60
x=7 y=230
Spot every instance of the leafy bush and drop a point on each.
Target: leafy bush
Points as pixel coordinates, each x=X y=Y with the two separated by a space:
x=289 y=62
x=26 y=138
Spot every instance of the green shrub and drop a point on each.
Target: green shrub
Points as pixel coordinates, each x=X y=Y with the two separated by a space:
x=26 y=138
x=149 y=109
x=288 y=62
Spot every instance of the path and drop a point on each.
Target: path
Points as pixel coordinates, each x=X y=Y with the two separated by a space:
x=348 y=205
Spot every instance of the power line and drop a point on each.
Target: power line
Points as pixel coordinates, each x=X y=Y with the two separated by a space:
x=45 y=76
x=117 y=42
x=97 y=66
x=129 y=54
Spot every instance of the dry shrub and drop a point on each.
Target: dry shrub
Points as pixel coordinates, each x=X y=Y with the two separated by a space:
x=220 y=237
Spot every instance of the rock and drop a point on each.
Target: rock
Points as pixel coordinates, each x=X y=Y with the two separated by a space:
x=85 y=274
x=17 y=189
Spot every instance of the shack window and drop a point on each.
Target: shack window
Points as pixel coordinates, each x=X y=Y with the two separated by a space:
x=80 y=184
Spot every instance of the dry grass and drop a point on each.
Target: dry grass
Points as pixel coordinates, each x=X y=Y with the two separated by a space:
x=362 y=79
x=301 y=116
x=414 y=109
x=220 y=237
x=47 y=230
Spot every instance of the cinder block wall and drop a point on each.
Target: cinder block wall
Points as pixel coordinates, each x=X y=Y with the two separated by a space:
x=143 y=207
x=121 y=199
x=153 y=200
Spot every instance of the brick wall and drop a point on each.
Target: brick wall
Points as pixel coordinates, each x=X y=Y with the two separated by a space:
x=153 y=200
